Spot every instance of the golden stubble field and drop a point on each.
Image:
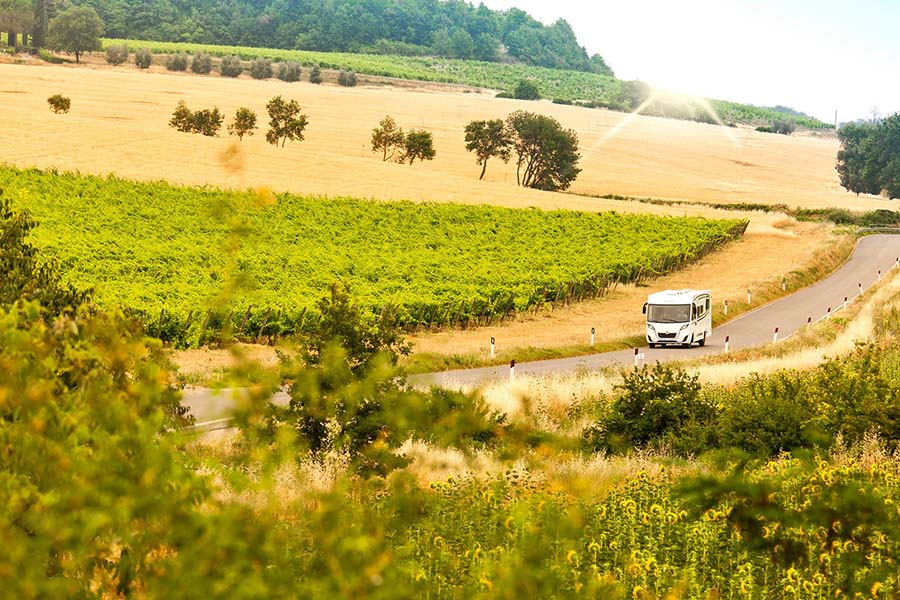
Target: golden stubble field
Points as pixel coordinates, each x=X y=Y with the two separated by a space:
x=119 y=124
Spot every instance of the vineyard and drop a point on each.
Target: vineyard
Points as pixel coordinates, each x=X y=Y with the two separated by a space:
x=172 y=254
x=570 y=86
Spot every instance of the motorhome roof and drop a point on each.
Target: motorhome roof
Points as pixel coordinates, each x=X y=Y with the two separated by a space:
x=675 y=296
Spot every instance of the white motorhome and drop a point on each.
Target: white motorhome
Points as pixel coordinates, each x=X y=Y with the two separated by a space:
x=678 y=317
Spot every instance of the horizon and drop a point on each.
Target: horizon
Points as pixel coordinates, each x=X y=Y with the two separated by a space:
x=815 y=57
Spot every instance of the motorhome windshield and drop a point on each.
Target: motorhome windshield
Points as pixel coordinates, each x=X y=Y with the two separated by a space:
x=669 y=313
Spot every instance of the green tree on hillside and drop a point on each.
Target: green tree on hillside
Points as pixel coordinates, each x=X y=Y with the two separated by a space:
x=547 y=154
x=16 y=16
x=286 y=122
x=76 y=30
x=869 y=159
x=387 y=138
x=488 y=139
x=418 y=144
x=526 y=90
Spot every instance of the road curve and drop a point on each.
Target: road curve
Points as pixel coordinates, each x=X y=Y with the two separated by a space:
x=873 y=254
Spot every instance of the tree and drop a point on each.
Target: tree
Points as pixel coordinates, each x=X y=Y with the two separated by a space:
x=388 y=138
x=182 y=117
x=59 y=103
x=207 y=121
x=418 y=144
x=286 y=122
x=488 y=139
x=869 y=159
x=16 y=16
x=76 y=30
x=143 y=58
x=526 y=90
x=177 y=62
x=347 y=78
x=231 y=66
x=315 y=74
x=599 y=66
x=201 y=64
x=244 y=123
x=40 y=25
x=289 y=71
x=261 y=68
x=116 y=55
x=547 y=154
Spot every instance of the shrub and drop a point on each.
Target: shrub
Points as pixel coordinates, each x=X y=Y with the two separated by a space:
x=143 y=58
x=177 y=62
x=657 y=406
x=59 y=103
x=347 y=78
x=202 y=63
x=261 y=68
x=417 y=144
x=231 y=66
x=315 y=75
x=526 y=90
x=116 y=55
x=286 y=122
x=289 y=71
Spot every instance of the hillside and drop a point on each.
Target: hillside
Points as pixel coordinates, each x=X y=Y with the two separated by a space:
x=454 y=29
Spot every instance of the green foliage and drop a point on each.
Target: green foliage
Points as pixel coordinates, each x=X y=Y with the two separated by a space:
x=206 y=121
x=59 y=103
x=116 y=55
x=418 y=143
x=289 y=71
x=315 y=74
x=76 y=30
x=286 y=122
x=439 y=264
x=16 y=16
x=143 y=58
x=547 y=155
x=243 y=124
x=347 y=78
x=201 y=63
x=662 y=406
x=868 y=160
x=25 y=278
x=261 y=68
x=231 y=66
x=387 y=138
x=526 y=90
x=488 y=139
x=177 y=61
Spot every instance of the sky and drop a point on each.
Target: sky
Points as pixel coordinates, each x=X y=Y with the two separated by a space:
x=817 y=56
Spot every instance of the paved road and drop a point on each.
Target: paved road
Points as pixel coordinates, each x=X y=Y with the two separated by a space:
x=873 y=253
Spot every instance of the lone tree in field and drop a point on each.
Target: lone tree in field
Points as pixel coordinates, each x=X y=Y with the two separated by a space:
x=116 y=55
x=244 y=123
x=387 y=138
x=16 y=16
x=286 y=122
x=76 y=30
x=418 y=144
x=59 y=103
x=488 y=139
x=547 y=155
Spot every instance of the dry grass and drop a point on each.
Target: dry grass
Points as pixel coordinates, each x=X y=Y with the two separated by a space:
x=118 y=123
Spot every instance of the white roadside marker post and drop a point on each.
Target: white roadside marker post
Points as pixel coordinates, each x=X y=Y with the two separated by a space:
x=726 y=343
x=879 y=274
x=808 y=321
x=593 y=331
x=726 y=308
x=775 y=336
x=493 y=351
x=748 y=296
x=512 y=370
x=828 y=314
x=783 y=285
x=860 y=289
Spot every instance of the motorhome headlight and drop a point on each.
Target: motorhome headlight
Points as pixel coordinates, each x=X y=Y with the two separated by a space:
x=651 y=327
x=683 y=327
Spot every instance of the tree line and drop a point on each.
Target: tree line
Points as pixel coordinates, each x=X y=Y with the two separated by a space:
x=454 y=29
x=869 y=159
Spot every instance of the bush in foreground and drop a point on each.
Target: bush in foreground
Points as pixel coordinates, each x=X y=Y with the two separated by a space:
x=59 y=103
